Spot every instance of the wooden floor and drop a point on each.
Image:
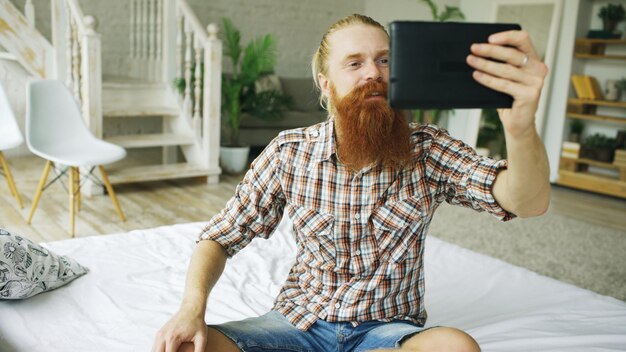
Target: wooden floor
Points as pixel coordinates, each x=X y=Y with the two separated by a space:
x=164 y=203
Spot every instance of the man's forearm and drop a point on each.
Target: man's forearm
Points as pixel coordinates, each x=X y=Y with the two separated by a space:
x=205 y=268
x=525 y=189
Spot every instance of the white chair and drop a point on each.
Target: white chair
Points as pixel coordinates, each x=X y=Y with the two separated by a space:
x=10 y=137
x=55 y=131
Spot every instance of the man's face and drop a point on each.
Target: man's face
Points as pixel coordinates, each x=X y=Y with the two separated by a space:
x=358 y=54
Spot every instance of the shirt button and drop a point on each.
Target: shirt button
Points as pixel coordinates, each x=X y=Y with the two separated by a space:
x=357 y=252
x=337 y=305
x=357 y=216
x=314 y=134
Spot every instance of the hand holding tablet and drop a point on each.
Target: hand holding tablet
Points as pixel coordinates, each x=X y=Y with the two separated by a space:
x=429 y=66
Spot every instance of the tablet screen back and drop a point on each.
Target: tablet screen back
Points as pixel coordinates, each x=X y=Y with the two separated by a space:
x=428 y=68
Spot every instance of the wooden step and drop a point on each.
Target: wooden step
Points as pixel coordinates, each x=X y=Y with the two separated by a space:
x=139 y=111
x=128 y=97
x=151 y=140
x=158 y=172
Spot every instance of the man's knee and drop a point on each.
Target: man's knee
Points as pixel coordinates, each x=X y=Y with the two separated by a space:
x=216 y=342
x=442 y=339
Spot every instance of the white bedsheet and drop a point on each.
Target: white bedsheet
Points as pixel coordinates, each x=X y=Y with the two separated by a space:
x=137 y=279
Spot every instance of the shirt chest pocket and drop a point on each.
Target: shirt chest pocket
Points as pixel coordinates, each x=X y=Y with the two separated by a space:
x=315 y=234
x=396 y=228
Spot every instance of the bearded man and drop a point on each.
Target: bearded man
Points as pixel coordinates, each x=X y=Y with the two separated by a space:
x=361 y=190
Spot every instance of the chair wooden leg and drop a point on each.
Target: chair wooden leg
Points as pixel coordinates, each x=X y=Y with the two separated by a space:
x=10 y=180
x=42 y=183
x=78 y=192
x=72 y=195
x=107 y=184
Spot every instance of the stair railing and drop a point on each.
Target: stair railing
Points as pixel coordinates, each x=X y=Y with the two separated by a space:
x=198 y=59
x=20 y=39
x=146 y=39
x=82 y=60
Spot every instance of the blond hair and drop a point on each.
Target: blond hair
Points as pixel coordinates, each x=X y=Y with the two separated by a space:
x=319 y=63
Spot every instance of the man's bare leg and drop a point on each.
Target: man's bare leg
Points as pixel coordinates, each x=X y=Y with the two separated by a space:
x=217 y=342
x=439 y=339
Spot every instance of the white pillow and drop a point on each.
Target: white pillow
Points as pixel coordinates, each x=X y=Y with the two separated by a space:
x=27 y=269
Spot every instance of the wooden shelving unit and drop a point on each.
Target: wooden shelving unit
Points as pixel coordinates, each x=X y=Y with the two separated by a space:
x=579 y=173
x=615 y=104
x=593 y=56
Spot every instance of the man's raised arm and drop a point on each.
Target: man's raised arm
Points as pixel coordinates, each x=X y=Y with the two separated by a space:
x=524 y=188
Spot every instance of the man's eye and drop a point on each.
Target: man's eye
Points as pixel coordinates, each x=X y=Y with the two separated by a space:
x=384 y=61
x=354 y=64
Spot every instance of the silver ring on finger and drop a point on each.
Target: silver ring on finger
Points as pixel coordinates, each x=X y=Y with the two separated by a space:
x=524 y=61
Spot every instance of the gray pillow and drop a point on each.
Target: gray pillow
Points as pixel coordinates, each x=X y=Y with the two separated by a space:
x=27 y=269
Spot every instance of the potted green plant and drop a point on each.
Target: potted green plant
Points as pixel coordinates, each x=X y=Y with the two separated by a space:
x=576 y=128
x=611 y=15
x=598 y=147
x=448 y=13
x=239 y=94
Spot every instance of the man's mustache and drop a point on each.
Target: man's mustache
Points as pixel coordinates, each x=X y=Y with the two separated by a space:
x=369 y=89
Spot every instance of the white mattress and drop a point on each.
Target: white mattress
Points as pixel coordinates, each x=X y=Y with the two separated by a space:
x=136 y=283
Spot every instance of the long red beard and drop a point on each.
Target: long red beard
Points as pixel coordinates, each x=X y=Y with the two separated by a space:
x=370 y=131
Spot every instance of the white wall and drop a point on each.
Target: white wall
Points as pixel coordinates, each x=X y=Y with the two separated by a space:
x=298 y=25
x=412 y=10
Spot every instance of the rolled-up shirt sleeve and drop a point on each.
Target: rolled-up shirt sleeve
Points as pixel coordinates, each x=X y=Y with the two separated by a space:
x=463 y=177
x=254 y=211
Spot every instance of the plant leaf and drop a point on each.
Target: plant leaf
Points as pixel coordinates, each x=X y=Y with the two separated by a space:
x=451 y=12
x=259 y=57
x=231 y=38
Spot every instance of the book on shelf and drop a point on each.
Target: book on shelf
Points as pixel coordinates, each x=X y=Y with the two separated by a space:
x=570 y=150
x=586 y=87
x=579 y=87
x=593 y=87
x=571 y=145
x=569 y=155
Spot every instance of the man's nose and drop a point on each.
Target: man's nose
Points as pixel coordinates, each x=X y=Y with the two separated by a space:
x=373 y=72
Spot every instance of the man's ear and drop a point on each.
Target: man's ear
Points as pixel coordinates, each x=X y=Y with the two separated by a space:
x=324 y=84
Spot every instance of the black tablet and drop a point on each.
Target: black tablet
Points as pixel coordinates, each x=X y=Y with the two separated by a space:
x=428 y=68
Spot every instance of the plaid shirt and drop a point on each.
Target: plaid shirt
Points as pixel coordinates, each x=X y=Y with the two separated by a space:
x=360 y=236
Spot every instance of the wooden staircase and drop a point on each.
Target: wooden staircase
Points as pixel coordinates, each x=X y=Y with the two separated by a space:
x=167 y=134
x=127 y=101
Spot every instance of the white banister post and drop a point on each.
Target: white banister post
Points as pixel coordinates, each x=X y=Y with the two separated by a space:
x=169 y=46
x=156 y=73
x=91 y=77
x=29 y=12
x=197 y=99
x=75 y=44
x=133 y=30
x=151 y=39
x=188 y=82
x=211 y=100
x=59 y=40
x=68 y=50
x=179 y=44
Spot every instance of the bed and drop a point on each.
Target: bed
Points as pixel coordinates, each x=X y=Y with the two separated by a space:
x=136 y=282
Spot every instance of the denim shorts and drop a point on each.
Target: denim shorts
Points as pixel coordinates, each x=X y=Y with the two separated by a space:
x=273 y=332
